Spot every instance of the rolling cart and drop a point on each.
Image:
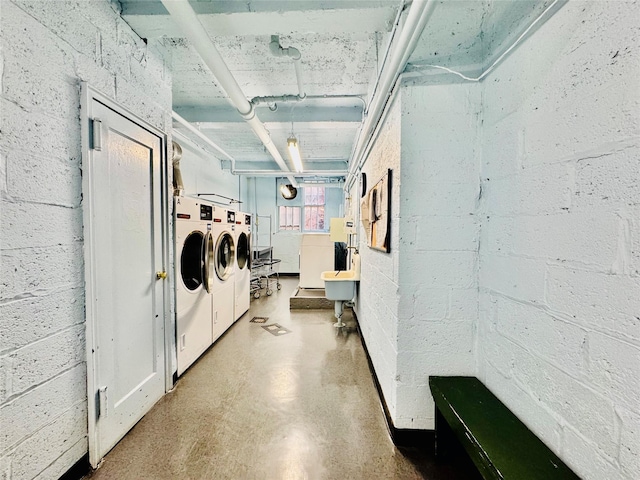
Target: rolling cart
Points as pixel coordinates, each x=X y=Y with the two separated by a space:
x=262 y=276
x=263 y=266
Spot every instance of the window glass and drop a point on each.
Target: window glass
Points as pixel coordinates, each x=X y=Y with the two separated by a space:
x=314 y=198
x=309 y=217
x=289 y=218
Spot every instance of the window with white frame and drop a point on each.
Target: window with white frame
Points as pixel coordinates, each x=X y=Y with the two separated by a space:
x=289 y=218
x=305 y=213
x=314 y=201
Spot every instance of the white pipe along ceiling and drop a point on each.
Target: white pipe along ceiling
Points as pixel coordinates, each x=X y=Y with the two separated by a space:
x=278 y=51
x=203 y=137
x=294 y=54
x=417 y=18
x=188 y=22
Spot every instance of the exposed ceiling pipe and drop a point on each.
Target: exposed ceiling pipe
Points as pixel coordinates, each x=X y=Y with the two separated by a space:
x=248 y=172
x=322 y=184
x=276 y=98
x=294 y=54
x=298 y=69
x=419 y=13
x=203 y=137
x=185 y=139
x=187 y=20
x=295 y=98
x=271 y=173
x=278 y=51
x=387 y=50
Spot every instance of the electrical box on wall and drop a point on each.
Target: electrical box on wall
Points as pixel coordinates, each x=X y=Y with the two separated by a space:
x=349 y=225
x=340 y=229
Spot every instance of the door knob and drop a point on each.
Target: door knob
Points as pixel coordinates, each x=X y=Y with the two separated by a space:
x=161 y=275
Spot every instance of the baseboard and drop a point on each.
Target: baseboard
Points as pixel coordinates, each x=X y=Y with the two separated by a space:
x=402 y=437
x=79 y=470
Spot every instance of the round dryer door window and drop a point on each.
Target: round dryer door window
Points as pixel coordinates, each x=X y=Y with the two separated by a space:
x=225 y=254
x=242 y=250
x=191 y=261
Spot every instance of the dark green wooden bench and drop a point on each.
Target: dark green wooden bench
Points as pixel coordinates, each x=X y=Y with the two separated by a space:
x=500 y=445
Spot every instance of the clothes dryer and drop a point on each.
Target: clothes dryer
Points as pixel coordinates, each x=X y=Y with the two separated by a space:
x=224 y=221
x=194 y=273
x=243 y=264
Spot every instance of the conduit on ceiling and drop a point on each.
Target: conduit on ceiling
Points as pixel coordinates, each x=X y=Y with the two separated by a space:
x=419 y=13
x=187 y=20
x=203 y=137
x=294 y=54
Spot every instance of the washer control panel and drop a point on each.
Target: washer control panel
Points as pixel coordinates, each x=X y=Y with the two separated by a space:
x=206 y=212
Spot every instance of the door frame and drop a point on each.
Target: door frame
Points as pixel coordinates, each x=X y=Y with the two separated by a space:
x=88 y=95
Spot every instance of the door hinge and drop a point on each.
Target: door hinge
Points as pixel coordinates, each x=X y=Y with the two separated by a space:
x=102 y=402
x=96 y=134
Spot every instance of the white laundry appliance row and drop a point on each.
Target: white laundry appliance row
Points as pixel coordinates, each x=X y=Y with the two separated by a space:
x=243 y=264
x=212 y=274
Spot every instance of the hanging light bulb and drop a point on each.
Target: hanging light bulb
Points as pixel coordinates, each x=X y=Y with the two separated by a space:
x=294 y=153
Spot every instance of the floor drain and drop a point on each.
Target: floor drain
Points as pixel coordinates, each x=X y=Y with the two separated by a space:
x=275 y=329
x=259 y=319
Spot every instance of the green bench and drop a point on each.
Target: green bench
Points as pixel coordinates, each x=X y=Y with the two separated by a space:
x=499 y=444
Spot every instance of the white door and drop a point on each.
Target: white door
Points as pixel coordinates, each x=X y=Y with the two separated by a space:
x=125 y=275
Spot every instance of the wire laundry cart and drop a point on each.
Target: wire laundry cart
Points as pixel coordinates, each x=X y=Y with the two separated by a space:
x=264 y=276
x=264 y=268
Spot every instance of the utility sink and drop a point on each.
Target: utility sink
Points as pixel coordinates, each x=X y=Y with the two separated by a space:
x=340 y=284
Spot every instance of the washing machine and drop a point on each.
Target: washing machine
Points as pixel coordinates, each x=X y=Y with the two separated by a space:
x=224 y=257
x=194 y=273
x=243 y=264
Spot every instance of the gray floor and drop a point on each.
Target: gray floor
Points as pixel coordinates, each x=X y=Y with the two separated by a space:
x=257 y=406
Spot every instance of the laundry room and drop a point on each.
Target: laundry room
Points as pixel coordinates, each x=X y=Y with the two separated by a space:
x=454 y=185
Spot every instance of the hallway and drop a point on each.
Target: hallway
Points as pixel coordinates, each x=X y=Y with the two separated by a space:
x=256 y=405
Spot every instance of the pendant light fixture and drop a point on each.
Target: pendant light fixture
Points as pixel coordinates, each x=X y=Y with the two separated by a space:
x=288 y=191
x=294 y=152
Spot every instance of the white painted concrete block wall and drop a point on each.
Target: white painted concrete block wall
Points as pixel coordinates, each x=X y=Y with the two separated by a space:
x=439 y=230
x=47 y=49
x=559 y=323
x=203 y=173
x=378 y=295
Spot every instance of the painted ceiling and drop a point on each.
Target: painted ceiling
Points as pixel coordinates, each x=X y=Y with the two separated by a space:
x=342 y=44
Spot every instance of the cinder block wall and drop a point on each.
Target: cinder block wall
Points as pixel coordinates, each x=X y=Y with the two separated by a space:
x=47 y=49
x=378 y=295
x=203 y=173
x=439 y=230
x=548 y=242
x=559 y=324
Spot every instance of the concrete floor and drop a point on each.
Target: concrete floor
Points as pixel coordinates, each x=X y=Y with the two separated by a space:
x=257 y=406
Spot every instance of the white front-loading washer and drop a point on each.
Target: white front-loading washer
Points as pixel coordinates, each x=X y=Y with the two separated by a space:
x=224 y=266
x=243 y=264
x=194 y=268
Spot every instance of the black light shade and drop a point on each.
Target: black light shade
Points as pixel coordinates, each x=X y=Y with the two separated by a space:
x=288 y=192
